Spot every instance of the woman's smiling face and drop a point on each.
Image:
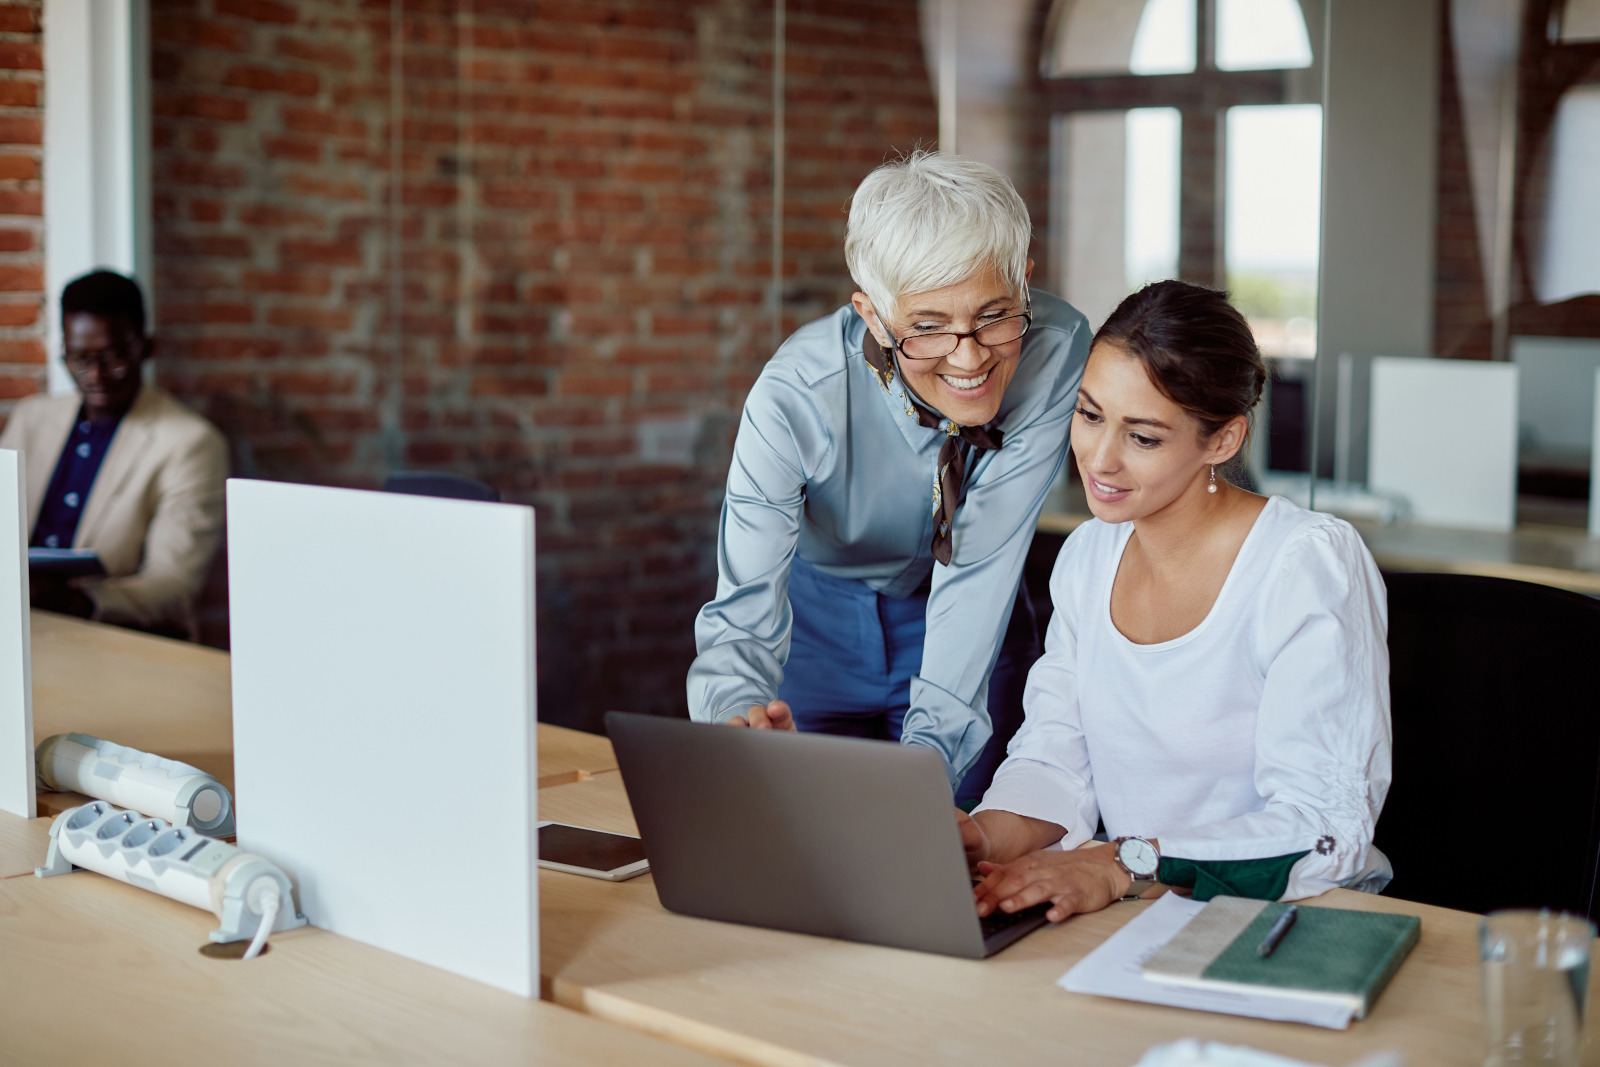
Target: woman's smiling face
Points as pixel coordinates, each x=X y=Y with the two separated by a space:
x=967 y=385
x=1137 y=450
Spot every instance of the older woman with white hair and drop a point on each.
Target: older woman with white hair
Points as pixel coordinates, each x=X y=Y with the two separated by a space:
x=887 y=476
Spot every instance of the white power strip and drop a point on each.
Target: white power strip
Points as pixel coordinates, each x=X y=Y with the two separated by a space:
x=249 y=895
x=164 y=788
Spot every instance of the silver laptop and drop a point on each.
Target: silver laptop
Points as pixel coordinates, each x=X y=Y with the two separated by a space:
x=820 y=835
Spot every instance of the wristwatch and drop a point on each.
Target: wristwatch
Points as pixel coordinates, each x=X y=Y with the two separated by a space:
x=1141 y=859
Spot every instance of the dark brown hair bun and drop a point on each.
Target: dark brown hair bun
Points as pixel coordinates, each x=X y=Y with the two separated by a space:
x=1196 y=347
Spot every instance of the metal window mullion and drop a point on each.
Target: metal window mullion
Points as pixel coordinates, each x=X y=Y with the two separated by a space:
x=1205 y=34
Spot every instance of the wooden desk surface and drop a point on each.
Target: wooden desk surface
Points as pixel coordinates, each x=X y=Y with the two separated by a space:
x=1559 y=556
x=571 y=755
x=23 y=843
x=168 y=697
x=98 y=972
x=175 y=699
x=745 y=994
x=764 y=997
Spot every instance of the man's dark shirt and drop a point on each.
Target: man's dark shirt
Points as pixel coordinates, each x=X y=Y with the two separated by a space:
x=74 y=476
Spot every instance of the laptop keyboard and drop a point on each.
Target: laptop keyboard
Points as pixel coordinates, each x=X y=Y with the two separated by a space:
x=998 y=921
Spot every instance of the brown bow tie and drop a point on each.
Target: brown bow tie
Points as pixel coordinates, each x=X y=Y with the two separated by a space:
x=952 y=474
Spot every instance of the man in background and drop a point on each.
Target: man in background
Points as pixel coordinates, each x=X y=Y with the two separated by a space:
x=123 y=470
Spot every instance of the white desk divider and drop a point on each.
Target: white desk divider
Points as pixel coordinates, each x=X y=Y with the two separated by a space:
x=1555 y=399
x=1444 y=436
x=383 y=717
x=16 y=662
x=1594 y=465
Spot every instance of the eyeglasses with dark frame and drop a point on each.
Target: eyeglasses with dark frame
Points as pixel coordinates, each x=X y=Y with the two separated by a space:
x=928 y=346
x=115 y=363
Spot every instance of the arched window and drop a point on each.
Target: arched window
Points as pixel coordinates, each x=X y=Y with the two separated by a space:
x=1186 y=141
x=1261 y=35
x=1164 y=41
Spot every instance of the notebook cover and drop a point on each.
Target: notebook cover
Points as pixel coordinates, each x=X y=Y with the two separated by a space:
x=1329 y=950
x=1202 y=939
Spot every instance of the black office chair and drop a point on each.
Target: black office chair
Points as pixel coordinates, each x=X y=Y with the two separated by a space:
x=1496 y=744
x=437 y=483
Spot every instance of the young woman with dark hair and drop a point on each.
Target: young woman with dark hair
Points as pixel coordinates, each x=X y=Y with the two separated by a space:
x=1215 y=678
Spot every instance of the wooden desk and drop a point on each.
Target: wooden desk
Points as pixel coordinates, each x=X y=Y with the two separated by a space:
x=571 y=755
x=1545 y=555
x=175 y=699
x=98 y=972
x=23 y=843
x=1559 y=556
x=763 y=997
x=168 y=697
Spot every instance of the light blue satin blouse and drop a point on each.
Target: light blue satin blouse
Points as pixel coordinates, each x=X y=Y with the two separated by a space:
x=830 y=465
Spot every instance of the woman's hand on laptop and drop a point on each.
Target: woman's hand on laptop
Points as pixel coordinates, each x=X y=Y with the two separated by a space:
x=973 y=840
x=773 y=716
x=1077 y=881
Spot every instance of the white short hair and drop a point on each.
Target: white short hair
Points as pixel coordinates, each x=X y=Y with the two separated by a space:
x=930 y=220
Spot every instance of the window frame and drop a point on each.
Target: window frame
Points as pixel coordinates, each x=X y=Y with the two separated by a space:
x=1202 y=98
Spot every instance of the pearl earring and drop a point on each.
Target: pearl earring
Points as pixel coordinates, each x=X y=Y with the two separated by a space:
x=1211 y=487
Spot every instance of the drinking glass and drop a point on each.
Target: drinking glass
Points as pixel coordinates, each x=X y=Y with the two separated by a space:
x=1535 y=986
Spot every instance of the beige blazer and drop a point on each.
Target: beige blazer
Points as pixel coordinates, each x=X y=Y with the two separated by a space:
x=155 y=511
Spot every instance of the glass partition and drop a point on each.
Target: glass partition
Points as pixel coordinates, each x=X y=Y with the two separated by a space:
x=1196 y=167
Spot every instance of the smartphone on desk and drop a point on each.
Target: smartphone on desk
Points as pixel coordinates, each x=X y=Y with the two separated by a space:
x=581 y=850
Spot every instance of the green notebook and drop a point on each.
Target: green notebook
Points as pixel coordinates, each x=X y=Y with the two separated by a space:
x=1329 y=954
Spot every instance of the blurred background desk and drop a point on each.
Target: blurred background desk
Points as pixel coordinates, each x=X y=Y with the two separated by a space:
x=163 y=696
x=175 y=699
x=1560 y=556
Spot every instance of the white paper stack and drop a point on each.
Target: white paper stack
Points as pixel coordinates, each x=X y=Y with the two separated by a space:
x=1113 y=970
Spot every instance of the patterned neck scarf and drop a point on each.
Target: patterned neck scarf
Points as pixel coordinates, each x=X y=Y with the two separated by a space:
x=951 y=477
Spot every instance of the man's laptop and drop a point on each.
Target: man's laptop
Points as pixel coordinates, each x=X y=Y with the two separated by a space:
x=820 y=835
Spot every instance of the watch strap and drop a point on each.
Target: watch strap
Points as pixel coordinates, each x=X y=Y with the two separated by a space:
x=1138 y=889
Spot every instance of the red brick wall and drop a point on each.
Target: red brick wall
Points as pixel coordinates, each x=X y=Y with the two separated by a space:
x=22 y=325
x=582 y=246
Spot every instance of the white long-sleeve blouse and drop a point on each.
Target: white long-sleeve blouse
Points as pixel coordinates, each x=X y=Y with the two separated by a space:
x=1262 y=732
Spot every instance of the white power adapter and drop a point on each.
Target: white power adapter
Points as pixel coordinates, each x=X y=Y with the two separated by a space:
x=250 y=896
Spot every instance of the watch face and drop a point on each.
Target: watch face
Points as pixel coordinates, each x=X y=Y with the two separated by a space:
x=1139 y=856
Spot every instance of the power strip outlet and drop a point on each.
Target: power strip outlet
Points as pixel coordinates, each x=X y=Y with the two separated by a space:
x=174 y=861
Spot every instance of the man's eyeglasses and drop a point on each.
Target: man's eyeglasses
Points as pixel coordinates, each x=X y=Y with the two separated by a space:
x=115 y=363
x=918 y=346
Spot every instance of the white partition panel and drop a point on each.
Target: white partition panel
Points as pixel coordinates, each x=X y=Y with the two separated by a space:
x=1444 y=436
x=383 y=717
x=1555 y=399
x=16 y=689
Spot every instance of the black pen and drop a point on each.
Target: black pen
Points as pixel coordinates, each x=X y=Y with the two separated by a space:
x=1279 y=928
